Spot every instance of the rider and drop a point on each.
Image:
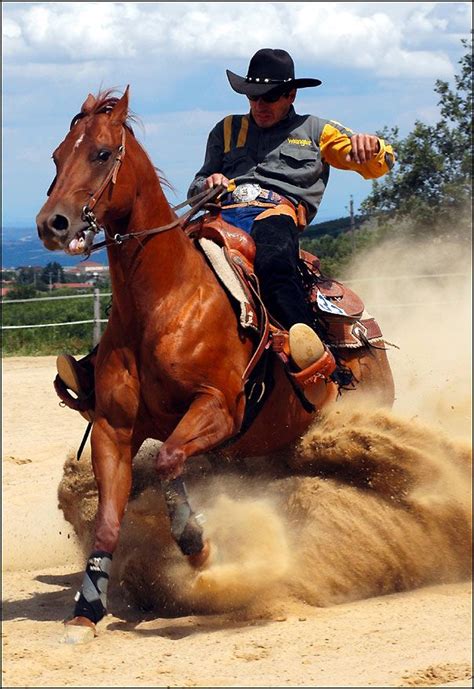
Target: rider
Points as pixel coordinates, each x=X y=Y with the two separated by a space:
x=275 y=165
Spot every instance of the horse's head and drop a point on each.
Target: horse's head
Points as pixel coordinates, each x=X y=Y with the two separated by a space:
x=87 y=163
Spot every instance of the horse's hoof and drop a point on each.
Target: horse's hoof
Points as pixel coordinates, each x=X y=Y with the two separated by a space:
x=200 y=559
x=79 y=630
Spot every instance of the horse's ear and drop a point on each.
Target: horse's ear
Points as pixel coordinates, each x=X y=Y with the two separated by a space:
x=120 y=111
x=88 y=104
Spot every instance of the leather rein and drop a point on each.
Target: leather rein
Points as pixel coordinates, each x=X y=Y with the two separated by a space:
x=94 y=227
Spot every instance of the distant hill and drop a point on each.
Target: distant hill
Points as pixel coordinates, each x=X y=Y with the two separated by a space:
x=21 y=246
x=330 y=227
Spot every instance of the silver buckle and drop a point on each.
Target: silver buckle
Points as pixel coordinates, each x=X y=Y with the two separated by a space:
x=246 y=192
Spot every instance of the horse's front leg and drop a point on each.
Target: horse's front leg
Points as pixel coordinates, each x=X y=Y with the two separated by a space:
x=208 y=422
x=112 y=464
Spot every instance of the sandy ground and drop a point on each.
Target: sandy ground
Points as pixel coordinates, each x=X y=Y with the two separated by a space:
x=379 y=596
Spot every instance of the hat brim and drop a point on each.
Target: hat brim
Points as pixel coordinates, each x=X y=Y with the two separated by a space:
x=247 y=88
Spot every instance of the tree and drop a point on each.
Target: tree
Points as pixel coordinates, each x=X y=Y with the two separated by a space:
x=431 y=182
x=26 y=276
x=22 y=291
x=52 y=272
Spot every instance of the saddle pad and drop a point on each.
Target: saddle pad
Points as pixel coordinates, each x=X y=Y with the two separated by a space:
x=224 y=271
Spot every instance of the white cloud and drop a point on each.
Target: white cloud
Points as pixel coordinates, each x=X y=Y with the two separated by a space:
x=378 y=62
x=381 y=37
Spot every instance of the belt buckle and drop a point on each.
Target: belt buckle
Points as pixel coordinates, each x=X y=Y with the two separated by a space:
x=246 y=192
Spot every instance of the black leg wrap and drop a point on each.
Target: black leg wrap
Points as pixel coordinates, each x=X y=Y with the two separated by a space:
x=185 y=526
x=91 y=600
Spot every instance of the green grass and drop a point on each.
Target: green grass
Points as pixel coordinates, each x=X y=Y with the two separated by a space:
x=74 y=339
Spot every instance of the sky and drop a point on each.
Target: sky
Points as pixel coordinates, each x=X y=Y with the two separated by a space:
x=378 y=62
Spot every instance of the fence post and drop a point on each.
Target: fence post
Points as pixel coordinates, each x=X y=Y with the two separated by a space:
x=96 y=300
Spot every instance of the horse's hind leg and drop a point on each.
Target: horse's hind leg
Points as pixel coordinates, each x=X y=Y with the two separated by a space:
x=112 y=464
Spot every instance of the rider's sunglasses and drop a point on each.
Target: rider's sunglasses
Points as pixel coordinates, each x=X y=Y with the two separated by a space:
x=267 y=98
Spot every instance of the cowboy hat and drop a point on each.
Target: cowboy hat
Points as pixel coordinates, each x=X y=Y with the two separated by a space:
x=269 y=69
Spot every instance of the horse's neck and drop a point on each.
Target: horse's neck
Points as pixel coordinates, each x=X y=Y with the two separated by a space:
x=130 y=261
x=150 y=208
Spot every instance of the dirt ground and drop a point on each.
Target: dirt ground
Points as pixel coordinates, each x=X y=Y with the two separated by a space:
x=333 y=586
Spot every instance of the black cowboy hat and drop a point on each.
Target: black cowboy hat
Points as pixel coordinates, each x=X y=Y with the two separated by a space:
x=268 y=70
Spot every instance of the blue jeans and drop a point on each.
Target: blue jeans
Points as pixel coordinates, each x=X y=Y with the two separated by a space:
x=242 y=217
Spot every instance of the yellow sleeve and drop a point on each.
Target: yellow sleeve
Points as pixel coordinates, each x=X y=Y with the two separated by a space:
x=335 y=144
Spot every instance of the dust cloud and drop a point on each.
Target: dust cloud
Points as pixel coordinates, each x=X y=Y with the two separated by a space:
x=371 y=501
x=420 y=293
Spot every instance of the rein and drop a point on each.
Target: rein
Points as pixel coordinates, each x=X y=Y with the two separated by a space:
x=94 y=227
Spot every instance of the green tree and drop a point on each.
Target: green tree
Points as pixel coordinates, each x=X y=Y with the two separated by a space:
x=52 y=272
x=22 y=291
x=431 y=182
x=26 y=276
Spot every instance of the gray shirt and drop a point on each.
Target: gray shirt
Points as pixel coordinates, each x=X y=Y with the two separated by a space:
x=285 y=158
x=292 y=158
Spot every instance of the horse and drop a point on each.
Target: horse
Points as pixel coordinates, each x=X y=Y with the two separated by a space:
x=173 y=360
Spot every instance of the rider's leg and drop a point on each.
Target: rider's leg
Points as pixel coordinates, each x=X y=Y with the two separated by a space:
x=276 y=265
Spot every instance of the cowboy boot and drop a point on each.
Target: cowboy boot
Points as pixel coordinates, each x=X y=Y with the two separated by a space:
x=315 y=361
x=78 y=377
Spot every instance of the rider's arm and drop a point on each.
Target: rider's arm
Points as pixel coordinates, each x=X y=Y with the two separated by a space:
x=336 y=147
x=212 y=160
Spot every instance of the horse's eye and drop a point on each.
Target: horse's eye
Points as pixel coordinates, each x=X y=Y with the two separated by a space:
x=104 y=154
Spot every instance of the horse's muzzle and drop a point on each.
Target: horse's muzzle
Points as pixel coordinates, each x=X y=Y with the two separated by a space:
x=57 y=230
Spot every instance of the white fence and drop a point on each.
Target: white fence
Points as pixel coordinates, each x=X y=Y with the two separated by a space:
x=96 y=320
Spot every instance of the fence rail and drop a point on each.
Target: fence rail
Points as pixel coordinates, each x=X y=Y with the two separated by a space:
x=96 y=320
x=67 y=296
x=52 y=325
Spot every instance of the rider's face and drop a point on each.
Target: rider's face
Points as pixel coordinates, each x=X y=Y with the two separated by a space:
x=267 y=114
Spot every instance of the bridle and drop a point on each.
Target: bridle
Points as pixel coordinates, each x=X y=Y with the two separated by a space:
x=87 y=214
x=94 y=227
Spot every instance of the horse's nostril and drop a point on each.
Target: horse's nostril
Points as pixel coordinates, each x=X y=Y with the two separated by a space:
x=59 y=222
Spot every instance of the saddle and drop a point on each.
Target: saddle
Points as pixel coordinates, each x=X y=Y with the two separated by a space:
x=340 y=312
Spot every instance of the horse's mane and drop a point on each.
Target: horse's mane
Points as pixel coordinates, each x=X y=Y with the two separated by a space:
x=105 y=102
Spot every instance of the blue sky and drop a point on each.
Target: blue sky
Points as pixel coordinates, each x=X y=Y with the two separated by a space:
x=378 y=62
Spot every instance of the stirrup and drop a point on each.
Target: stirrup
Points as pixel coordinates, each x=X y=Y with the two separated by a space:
x=315 y=361
x=305 y=345
x=66 y=366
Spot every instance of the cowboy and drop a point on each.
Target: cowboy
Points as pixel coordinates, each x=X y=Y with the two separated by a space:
x=275 y=165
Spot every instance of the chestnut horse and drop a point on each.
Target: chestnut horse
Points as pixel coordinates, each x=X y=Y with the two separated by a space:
x=172 y=360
